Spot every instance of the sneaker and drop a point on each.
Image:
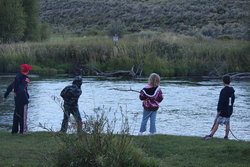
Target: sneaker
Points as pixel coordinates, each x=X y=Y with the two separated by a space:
x=226 y=137
x=140 y=134
x=207 y=137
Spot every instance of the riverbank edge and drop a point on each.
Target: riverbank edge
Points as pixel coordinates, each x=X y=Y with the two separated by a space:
x=234 y=76
x=37 y=149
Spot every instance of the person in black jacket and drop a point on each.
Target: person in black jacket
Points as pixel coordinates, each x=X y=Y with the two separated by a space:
x=224 y=108
x=21 y=96
x=70 y=95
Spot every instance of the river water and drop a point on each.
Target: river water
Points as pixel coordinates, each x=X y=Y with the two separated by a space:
x=188 y=108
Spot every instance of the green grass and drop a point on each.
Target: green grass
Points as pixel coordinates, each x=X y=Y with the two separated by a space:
x=30 y=150
x=195 y=152
x=37 y=149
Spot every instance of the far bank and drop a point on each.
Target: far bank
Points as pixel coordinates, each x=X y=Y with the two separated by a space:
x=143 y=53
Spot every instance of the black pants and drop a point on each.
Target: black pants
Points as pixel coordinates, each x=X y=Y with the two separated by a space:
x=20 y=118
x=75 y=112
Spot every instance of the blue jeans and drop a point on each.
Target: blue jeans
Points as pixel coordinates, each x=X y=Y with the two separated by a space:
x=146 y=116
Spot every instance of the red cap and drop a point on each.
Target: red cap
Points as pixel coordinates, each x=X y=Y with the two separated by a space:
x=25 y=68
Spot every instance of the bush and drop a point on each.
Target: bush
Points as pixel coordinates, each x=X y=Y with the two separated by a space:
x=12 y=21
x=99 y=146
x=45 y=31
x=116 y=28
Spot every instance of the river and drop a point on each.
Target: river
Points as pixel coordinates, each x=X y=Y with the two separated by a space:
x=188 y=108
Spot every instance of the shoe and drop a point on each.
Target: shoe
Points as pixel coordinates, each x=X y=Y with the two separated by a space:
x=140 y=134
x=207 y=137
x=226 y=137
x=25 y=133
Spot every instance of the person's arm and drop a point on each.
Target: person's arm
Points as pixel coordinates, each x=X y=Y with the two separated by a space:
x=221 y=101
x=232 y=99
x=64 y=92
x=142 y=96
x=17 y=82
x=9 y=89
x=159 y=97
x=76 y=93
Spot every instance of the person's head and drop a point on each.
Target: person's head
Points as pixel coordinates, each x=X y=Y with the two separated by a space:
x=77 y=81
x=226 y=79
x=154 y=80
x=25 y=68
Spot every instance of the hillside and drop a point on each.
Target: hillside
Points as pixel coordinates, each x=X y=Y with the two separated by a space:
x=210 y=18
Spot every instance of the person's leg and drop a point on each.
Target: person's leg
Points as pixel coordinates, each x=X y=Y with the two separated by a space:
x=15 y=122
x=21 y=118
x=227 y=130
x=146 y=115
x=22 y=113
x=214 y=129
x=25 y=116
x=78 y=119
x=65 y=121
x=152 y=122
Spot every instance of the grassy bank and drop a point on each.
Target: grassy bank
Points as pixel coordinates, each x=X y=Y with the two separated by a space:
x=166 y=54
x=37 y=149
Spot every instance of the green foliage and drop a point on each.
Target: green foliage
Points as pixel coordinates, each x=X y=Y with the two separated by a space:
x=178 y=151
x=45 y=31
x=119 y=63
x=212 y=18
x=12 y=21
x=99 y=146
x=93 y=32
x=44 y=71
x=31 y=9
x=116 y=28
x=19 y=21
x=153 y=63
x=194 y=152
x=166 y=54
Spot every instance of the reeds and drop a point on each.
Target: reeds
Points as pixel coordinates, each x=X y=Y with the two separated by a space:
x=164 y=53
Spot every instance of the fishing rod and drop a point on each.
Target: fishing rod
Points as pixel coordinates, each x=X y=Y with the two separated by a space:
x=229 y=129
x=234 y=135
x=126 y=90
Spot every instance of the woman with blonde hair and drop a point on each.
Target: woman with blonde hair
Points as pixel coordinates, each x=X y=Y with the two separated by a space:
x=151 y=95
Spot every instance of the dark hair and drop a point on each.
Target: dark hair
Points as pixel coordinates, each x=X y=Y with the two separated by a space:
x=226 y=79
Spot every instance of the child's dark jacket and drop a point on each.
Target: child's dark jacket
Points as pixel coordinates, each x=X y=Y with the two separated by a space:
x=226 y=100
x=19 y=86
x=71 y=94
x=151 y=96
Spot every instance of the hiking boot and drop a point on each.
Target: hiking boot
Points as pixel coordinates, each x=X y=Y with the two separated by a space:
x=226 y=137
x=207 y=137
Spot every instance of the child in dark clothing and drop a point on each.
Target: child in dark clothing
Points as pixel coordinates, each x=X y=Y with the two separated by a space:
x=224 y=108
x=70 y=95
x=151 y=96
x=20 y=85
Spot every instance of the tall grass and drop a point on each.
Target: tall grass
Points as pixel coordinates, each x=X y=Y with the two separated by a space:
x=166 y=54
x=100 y=146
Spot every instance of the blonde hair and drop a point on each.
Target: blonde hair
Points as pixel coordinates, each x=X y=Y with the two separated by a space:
x=154 y=80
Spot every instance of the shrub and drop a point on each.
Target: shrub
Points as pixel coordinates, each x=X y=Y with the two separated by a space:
x=116 y=28
x=45 y=31
x=99 y=146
